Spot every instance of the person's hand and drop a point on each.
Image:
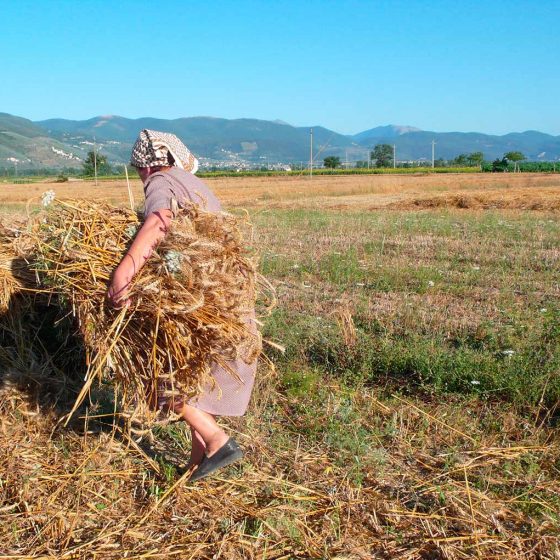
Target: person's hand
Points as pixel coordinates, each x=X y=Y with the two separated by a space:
x=117 y=294
x=153 y=230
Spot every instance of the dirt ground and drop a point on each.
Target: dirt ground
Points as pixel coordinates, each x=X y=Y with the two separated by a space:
x=477 y=190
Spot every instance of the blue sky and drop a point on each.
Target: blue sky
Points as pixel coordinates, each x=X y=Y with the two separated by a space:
x=348 y=65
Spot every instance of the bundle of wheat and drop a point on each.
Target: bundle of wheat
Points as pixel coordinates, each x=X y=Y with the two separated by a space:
x=14 y=273
x=189 y=303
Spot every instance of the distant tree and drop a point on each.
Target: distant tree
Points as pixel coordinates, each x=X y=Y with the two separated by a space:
x=103 y=167
x=440 y=162
x=462 y=160
x=475 y=159
x=361 y=164
x=499 y=165
x=383 y=155
x=332 y=162
x=515 y=157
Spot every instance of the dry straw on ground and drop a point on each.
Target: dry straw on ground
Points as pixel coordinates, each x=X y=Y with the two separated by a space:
x=544 y=199
x=94 y=494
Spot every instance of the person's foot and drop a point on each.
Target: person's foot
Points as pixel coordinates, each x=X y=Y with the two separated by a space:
x=227 y=454
x=200 y=449
x=216 y=443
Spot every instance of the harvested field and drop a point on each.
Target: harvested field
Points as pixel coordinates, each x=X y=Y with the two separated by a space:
x=415 y=413
x=338 y=193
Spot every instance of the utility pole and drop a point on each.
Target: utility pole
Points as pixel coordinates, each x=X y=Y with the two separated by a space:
x=394 y=156
x=95 y=160
x=433 y=153
x=311 y=153
x=15 y=164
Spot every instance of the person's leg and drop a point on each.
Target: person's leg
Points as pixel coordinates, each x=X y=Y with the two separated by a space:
x=210 y=442
x=198 y=449
x=205 y=425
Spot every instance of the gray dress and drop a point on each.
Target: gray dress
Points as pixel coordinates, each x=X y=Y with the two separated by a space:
x=230 y=396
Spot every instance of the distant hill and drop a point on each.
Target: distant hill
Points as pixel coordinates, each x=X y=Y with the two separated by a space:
x=27 y=145
x=213 y=138
x=58 y=143
x=389 y=131
x=417 y=144
x=257 y=140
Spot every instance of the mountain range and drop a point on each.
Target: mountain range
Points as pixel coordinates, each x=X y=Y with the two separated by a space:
x=58 y=143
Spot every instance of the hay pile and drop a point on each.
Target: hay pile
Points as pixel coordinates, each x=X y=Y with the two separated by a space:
x=529 y=198
x=190 y=302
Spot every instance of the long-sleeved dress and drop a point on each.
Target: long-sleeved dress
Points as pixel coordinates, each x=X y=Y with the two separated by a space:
x=229 y=396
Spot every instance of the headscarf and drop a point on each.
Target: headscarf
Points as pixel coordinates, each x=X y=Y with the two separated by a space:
x=152 y=149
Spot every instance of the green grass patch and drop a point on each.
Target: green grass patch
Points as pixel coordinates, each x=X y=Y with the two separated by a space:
x=470 y=299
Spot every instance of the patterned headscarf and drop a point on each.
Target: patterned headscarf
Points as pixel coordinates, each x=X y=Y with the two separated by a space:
x=152 y=149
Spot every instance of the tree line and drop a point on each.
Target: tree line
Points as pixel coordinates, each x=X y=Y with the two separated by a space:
x=382 y=155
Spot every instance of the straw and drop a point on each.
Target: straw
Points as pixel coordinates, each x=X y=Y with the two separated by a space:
x=192 y=302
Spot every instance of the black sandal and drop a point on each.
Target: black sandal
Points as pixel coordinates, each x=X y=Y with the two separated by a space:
x=227 y=454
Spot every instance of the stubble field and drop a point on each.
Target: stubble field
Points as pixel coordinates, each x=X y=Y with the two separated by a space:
x=414 y=413
x=368 y=192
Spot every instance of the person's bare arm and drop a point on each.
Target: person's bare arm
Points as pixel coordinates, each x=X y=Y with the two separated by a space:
x=153 y=230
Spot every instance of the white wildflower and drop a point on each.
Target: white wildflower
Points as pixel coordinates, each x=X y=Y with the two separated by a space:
x=508 y=352
x=173 y=261
x=131 y=230
x=431 y=283
x=47 y=197
x=544 y=310
x=475 y=382
x=476 y=267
